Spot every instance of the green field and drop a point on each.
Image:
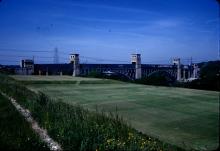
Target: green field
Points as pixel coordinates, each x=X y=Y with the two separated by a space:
x=51 y=78
x=184 y=117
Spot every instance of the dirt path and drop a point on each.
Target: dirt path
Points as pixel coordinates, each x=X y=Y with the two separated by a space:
x=54 y=146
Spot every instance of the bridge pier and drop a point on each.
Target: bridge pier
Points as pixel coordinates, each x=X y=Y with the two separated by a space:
x=176 y=62
x=136 y=60
x=74 y=59
x=184 y=74
x=189 y=73
x=135 y=70
x=195 y=71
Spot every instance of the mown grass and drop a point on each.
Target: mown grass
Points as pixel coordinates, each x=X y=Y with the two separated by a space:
x=185 y=117
x=33 y=79
x=80 y=129
x=15 y=132
x=51 y=78
x=76 y=128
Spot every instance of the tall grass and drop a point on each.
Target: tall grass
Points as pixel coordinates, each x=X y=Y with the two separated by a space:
x=76 y=128
x=15 y=132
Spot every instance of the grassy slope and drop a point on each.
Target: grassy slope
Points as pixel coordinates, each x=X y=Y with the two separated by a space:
x=33 y=79
x=79 y=129
x=15 y=132
x=50 y=78
x=185 y=117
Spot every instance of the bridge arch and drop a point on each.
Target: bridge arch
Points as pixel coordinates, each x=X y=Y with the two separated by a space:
x=119 y=75
x=166 y=74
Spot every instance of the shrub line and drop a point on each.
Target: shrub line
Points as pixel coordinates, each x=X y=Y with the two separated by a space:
x=54 y=146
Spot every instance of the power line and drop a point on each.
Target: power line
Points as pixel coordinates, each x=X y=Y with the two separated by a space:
x=101 y=59
x=218 y=1
x=85 y=59
x=21 y=56
x=31 y=50
x=10 y=60
x=56 y=56
x=23 y=50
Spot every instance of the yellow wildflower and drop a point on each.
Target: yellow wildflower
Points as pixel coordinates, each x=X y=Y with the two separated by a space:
x=109 y=141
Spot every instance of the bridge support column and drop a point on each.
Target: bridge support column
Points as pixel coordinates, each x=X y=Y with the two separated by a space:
x=184 y=74
x=177 y=63
x=74 y=59
x=195 y=71
x=138 y=72
x=136 y=60
x=178 y=73
x=189 y=76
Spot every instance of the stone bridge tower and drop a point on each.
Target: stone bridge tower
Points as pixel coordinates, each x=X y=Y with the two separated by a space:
x=74 y=59
x=176 y=62
x=195 y=71
x=136 y=60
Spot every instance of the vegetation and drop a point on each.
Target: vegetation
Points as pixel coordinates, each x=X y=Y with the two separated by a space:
x=114 y=76
x=184 y=117
x=7 y=69
x=52 y=78
x=15 y=132
x=61 y=80
x=160 y=78
x=209 y=77
x=76 y=128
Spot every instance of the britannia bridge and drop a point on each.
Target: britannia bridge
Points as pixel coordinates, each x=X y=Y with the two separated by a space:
x=134 y=70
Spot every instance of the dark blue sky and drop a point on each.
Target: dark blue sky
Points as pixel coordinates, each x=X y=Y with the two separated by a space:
x=108 y=29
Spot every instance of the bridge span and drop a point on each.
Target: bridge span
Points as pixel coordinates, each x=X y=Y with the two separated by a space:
x=134 y=70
